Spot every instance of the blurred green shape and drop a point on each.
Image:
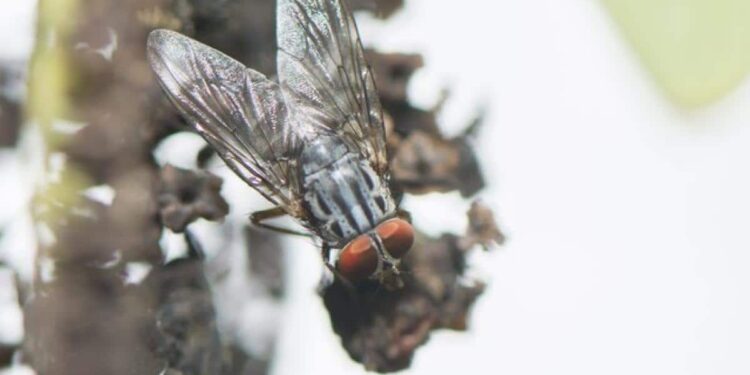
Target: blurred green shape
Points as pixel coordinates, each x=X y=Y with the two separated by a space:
x=697 y=50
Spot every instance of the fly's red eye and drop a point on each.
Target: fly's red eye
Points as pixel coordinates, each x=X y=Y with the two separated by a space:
x=359 y=259
x=397 y=236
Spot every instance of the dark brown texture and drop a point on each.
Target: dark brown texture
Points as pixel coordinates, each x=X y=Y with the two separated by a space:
x=10 y=122
x=6 y=354
x=83 y=315
x=423 y=160
x=187 y=195
x=186 y=321
x=482 y=229
x=11 y=81
x=382 y=329
x=392 y=72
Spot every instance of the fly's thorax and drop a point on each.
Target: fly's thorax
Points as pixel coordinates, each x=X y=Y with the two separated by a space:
x=343 y=195
x=320 y=152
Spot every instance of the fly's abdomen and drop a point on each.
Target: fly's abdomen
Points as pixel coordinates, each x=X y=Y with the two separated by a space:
x=344 y=197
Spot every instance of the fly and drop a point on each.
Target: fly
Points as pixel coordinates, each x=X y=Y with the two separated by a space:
x=313 y=144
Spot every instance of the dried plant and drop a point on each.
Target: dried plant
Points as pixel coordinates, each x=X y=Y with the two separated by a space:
x=104 y=300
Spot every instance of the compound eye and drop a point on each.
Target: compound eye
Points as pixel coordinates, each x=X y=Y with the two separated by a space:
x=359 y=259
x=397 y=236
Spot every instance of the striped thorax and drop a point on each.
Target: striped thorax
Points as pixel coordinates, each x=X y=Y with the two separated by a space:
x=343 y=194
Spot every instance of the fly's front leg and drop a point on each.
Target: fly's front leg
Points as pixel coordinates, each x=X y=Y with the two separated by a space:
x=325 y=252
x=258 y=218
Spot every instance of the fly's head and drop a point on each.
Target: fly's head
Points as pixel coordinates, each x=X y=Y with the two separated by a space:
x=376 y=255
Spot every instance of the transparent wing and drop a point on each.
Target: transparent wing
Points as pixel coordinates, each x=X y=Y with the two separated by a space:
x=324 y=75
x=239 y=112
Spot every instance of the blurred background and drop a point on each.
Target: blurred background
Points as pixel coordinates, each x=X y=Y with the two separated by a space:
x=616 y=148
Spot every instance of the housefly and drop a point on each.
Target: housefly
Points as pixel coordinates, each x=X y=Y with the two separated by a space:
x=312 y=144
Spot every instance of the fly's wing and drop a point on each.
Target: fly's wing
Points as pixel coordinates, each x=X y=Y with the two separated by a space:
x=325 y=78
x=239 y=112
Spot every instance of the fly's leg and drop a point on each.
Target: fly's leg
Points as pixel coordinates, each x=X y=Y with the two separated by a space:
x=325 y=252
x=258 y=218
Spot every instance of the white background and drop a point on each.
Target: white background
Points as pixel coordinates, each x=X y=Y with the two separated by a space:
x=627 y=217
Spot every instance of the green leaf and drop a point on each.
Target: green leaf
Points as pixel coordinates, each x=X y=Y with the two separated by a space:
x=697 y=50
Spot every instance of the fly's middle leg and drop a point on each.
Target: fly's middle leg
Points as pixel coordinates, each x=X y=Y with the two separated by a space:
x=258 y=218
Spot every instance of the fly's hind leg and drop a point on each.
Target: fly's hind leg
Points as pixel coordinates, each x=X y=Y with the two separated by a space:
x=258 y=218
